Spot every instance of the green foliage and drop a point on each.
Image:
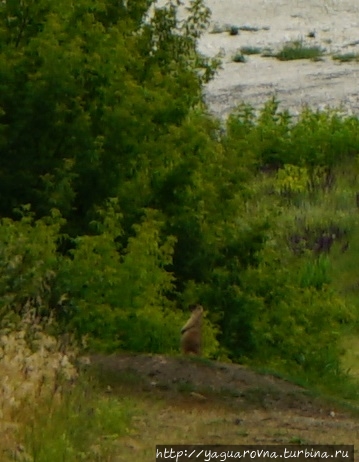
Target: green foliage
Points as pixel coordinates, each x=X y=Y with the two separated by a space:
x=346 y=57
x=273 y=139
x=251 y=28
x=98 y=101
x=108 y=297
x=262 y=139
x=248 y=50
x=220 y=28
x=291 y=179
x=239 y=58
x=71 y=75
x=234 y=30
x=102 y=119
x=118 y=298
x=273 y=293
x=296 y=329
x=28 y=264
x=324 y=138
x=79 y=425
x=315 y=273
x=232 y=307
x=299 y=50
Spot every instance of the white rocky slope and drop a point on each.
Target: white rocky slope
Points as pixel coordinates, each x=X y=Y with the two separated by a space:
x=335 y=26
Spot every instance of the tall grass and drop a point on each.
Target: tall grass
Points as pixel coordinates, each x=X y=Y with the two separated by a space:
x=49 y=410
x=298 y=50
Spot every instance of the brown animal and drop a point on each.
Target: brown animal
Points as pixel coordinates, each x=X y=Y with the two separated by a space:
x=191 y=332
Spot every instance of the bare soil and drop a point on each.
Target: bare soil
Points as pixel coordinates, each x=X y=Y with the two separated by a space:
x=192 y=401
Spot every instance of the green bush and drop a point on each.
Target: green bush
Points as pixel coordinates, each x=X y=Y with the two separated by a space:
x=110 y=298
x=299 y=50
x=239 y=58
x=118 y=298
x=70 y=76
x=122 y=298
x=296 y=327
x=273 y=139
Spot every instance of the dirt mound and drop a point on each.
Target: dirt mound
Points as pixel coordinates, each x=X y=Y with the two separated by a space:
x=204 y=379
x=193 y=401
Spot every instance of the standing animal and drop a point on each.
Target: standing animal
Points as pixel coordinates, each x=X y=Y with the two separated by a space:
x=191 y=332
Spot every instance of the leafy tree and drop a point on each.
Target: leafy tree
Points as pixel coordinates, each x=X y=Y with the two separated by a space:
x=87 y=90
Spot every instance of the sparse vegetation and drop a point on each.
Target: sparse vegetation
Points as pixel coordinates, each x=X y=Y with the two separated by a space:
x=249 y=28
x=219 y=29
x=248 y=50
x=299 y=50
x=239 y=58
x=346 y=57
x=268 y=53
x=234 y=30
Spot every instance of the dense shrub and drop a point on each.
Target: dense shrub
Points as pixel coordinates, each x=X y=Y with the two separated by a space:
x=272 y=138
x=143 y=204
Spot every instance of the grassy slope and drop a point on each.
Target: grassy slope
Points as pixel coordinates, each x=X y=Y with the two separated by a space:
x=339 y=206
x=345 y=277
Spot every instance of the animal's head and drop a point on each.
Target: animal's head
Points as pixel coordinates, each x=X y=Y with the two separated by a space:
x=196 y=308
